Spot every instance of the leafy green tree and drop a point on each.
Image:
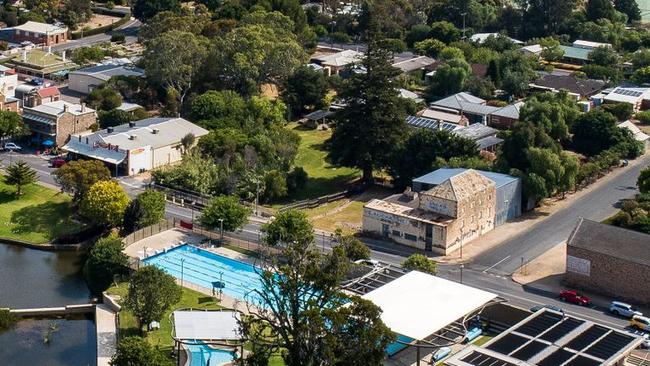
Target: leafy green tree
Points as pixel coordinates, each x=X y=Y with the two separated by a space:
x=596 y=131
x=445 y=32
x=254 y=54
x=144 y=10
x=480 y=87
x=172 y=61
x=622 y=111
x=641 y=75
x=275 y=185
x=85 y=55
x=136 y=351
x=554 y=113
x=417 y=33
x=105 y=203
x=11 y=124
x=76 y=177
x=419 y=152
x=151 y=293
x=20 y=174
x=104 y=99
x=598 y=9
x=221 y=108
x=544 y=17
x=604 y=56
x=629 y=8
x=105 y=260
x=352 y=248
x=304 y=89
x=373 y=122
x=146 y=209
x=228 y=209
x=297 y=179
x=557 y=171
x=299 y=309
x=449 y=79
x=610 y=75
x=429 y=47
x=551 y=50
x=112 y=118
x=287 y=227
x=419 y=262
x=643 y=182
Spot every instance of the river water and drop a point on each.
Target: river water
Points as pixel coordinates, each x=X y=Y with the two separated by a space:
x=32 y=278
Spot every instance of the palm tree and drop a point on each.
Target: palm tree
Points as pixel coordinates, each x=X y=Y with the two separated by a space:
x=19 y=174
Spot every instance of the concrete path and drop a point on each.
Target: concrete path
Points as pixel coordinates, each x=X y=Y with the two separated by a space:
x=106 y=334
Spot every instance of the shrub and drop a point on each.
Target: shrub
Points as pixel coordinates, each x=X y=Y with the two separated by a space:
x=419 y=262
x=7 y=319
x=643 y=117
x=118 y=37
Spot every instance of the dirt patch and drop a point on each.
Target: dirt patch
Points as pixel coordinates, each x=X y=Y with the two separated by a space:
x=548 y=265
x=99 y=20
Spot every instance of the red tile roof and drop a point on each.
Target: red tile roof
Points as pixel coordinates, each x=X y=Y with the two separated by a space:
x=48 y=92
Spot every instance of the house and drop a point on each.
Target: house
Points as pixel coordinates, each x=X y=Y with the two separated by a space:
x=439 y=220
x=508 y=190
x=636 y=132
x=484 y=136
x=57 y=121
x=8 y=103
x=578 y=87
x=480 y=38
x=431 y=124
x=449 y=117
x=639 y=98
x=576 y=55
x=35 y=95
x=40 y=33
x=407 y=94
x=505 y=117
x=43 y=64
x=589 y=45
x=334 y=63
x=601 y=257
x=85 y=80
x=137 y=146
x=475 y=109
x=532 y=50
x=408 y=65
x=8 y=81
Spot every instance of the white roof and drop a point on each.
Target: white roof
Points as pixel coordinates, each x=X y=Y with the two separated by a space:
x=638 y=134
x=589 y=44
x=628 y=95
x=533 y=48
x=206 y=325
x=417 y=304
x=57 y=107
x=482 y=37
x=342 y=58
x=440 y=115
x=43 y=28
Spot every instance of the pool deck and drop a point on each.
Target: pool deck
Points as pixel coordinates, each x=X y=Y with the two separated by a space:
x=106 y=329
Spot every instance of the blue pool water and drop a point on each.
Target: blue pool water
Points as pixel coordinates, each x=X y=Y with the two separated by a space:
x=202 y=268
x=201 y=353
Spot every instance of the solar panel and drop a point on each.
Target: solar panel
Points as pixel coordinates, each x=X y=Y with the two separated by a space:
x=539 y=324
x=586 y=338
x=481 y=359
x=562 y=329
x=507 y=343
x=583 y=361
x=556 y=358
x=528 y=351
x=609 y=345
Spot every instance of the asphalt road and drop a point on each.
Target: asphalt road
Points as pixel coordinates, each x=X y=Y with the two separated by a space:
x=598 y=204
x=130 y=29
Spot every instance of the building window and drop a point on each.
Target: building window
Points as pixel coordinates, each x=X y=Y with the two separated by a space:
x=396 y=233
x=410 y=237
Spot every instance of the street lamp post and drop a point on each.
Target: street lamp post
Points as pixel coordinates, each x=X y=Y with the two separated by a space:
x=221 y=229
x=461 y=272
x=182 y=267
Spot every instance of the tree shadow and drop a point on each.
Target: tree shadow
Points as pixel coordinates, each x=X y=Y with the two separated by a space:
x=205 y=300
x=7 y=196
x=50 y=218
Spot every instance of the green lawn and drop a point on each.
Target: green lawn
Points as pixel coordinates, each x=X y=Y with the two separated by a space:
x=38 y=216
x=324 y=178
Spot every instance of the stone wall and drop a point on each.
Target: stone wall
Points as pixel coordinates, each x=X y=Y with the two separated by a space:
x=621 y=279
x=69 y=124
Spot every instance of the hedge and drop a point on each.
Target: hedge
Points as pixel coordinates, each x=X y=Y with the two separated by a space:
x=102 y=29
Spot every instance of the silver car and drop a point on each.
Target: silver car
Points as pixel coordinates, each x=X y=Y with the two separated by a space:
x=623 y=309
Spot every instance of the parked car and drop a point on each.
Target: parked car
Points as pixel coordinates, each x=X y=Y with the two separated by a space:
x=646 y=341
x=537 y=308
x=10 y=146
x=574 y=297
x=57 y=162
x=623 y=309
x=640 y=322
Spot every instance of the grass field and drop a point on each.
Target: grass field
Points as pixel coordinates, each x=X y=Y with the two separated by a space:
x=324 y=178
x=161 y=338
x=38 y=216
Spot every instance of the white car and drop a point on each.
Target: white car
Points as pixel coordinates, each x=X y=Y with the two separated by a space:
x=623 y=309
x=10 y=146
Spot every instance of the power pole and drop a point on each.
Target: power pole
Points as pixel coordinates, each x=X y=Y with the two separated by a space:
x=464 y=14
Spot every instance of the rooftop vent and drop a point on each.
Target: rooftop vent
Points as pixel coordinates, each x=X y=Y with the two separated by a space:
x=110 y=129
x=132 y=137
x=155 y=131
x=131 y=124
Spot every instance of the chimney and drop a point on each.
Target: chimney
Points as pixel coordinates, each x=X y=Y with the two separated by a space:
x=110 y=130
x=86 y=140
x=155 y=131
x=65 y=107
x=83 y=107
x=132 y=137
x=63 y=55
x=79 y=138
x=132 y=124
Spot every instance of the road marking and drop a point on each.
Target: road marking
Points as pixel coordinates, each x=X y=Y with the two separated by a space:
x=495 y=264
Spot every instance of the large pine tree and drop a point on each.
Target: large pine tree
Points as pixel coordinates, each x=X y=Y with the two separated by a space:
x=19 y=174
x=373 y=122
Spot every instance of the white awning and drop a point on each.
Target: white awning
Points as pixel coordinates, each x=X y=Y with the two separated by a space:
x=417 y=304
x=206 y=325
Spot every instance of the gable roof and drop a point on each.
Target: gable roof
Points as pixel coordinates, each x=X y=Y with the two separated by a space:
x=461 y=186
x=636 y=131
x=582 y=87
x=454 y=101
x=612 y=241
x=48 y=92
x=576 y=52
x=440 y=175
x=105 y=72
x=476 y=131
x=627 y=95
x=42 y=28
x=509 y=111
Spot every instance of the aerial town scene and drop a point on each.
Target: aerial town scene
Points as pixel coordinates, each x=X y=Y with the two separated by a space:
x=325 y=183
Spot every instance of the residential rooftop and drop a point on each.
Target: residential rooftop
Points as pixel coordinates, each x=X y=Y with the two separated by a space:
x=42 y=28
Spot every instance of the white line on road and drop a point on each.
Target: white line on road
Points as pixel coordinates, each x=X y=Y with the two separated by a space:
x=495 y=264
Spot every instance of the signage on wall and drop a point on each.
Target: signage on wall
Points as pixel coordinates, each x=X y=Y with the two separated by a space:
x=137 y=151
x=578 y=265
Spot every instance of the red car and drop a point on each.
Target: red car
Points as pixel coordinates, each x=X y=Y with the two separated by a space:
x=57 y=162
x=574 y=297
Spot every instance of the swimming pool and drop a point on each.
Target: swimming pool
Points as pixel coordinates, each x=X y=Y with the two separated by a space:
x=200 y=354
x=202 y=268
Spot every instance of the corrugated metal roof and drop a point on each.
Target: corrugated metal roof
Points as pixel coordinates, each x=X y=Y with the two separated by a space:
x=431 y=124
x=576 y=52
x=438 y=176
x=476 y=131
x=454 y=101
